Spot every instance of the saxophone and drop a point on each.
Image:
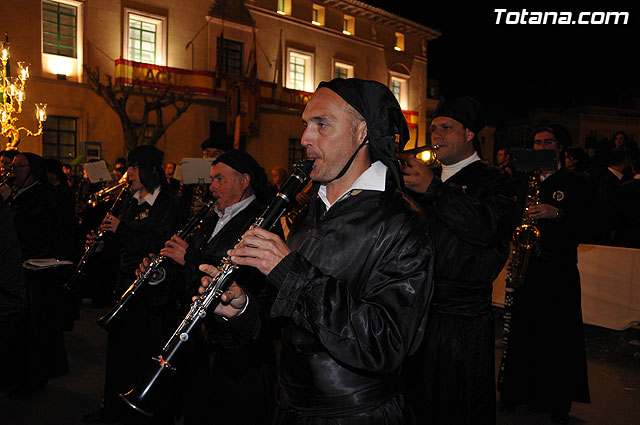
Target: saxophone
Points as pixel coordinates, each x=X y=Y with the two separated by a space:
x=525 y=237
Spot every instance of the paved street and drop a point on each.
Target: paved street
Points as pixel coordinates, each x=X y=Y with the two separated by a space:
x=614 y=379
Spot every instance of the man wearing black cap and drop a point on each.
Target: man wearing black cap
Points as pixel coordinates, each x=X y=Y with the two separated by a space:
x=145 y=221
x=470 y=206
x=213 y=147
x=354 y=279
x=223 y=372
x=546 y=367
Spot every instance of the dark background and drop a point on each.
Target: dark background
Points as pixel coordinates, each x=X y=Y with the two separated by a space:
x=514 y=68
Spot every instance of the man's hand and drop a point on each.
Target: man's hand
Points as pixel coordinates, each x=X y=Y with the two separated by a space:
x=260 y=249
x=175 y=248
x=232 y=302
x=110 y=223
x=158 y=275
x=543 y=211
x=92 y=239
x=416 y=174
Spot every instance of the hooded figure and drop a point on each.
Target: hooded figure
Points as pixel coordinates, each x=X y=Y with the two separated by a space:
x=244 y=163
x=387 y=129
x=468 y=112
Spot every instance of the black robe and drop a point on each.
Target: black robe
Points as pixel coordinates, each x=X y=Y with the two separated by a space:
x=139 y=333
x=353 y=297
x=450 y=380
x=229 y=370
x=546 y=367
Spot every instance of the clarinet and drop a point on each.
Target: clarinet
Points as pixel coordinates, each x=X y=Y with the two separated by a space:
x=90 y=248
x=139 y=397
x=144 y=277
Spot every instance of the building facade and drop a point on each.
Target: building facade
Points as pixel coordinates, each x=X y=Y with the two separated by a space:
x=251 y=66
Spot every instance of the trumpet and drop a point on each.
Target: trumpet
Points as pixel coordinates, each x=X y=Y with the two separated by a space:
x=140 y=396
x=108 y=193
x=91 y=247
x=428 y=154
x=144 y=277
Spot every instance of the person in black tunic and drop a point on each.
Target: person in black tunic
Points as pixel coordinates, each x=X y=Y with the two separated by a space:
x=546 y=367
x=355 y=277
x=222 y=372
x=470 y=206
x=146 y=221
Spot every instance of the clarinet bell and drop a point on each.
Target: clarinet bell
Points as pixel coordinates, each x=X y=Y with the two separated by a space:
x=143 y=397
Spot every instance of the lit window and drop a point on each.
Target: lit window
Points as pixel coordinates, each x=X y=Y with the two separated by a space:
x=59 y=28
x=343 y=70
x=399 y=42
x=348 y=25
x=317 y=15
x=145 y=37
x=300 y=71
x=284 y=7
x=399 y=90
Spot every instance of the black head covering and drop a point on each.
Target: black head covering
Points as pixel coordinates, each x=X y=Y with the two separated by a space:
x=244 y=163
x=36 y=166
x=384 y=118
x=52 y=165
x=148 y=159
x=221 y=141
x=145 y=156
x=466 y=110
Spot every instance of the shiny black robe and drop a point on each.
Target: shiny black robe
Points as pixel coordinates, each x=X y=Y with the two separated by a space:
x=546 y=367
x=450 y=380
x=230 y=370
x=353 y=296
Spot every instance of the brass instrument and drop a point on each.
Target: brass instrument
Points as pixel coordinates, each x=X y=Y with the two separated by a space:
x=525 y=237
x=139 y=397
x=91 y=247
x=144 y=277
x=108 y=193
x=428 y=154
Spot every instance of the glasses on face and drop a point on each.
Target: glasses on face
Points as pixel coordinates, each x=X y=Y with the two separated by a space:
x=545 y=142
x=19 y=165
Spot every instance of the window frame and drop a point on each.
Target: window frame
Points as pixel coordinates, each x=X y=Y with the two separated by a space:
x=58 y=131
x=159 y=21
x=309 y=74
x=58 y=34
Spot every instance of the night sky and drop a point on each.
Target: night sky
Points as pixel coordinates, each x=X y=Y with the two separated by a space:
x=513 y=68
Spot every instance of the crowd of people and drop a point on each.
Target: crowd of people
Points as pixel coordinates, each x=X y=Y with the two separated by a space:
x=368 y=303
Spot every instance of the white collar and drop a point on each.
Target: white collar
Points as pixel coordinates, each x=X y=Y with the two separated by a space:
x=373 y=178
x=149 y=199
x=450 y=170
x=234 y=209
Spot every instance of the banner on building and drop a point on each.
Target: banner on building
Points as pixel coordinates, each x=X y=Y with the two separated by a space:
x=160 y=77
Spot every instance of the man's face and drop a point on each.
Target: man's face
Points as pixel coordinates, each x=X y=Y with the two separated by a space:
x=619 y=140
x=453 y=139
x=329 y=137
x=5 y=163
x=227 y=185
x=212 y=153
x=133 y=175
x=21 y=170
x=546 y=140
x=501 y=157
x=169 y=170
